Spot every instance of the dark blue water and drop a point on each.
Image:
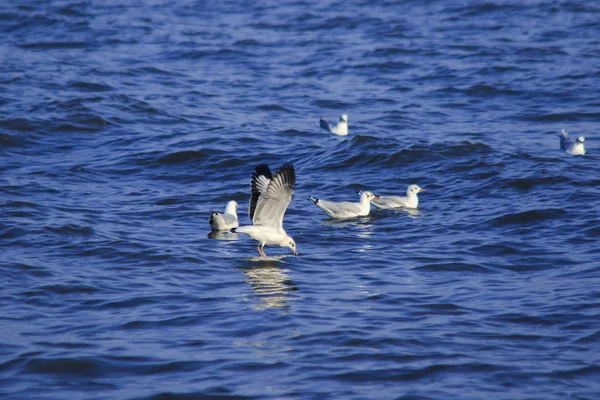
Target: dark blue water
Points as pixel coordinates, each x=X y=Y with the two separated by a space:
x=123 y=124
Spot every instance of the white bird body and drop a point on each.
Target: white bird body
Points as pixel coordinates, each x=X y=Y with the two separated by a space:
x=411 y=200
x=346 y=209
x=340 y=129
x=576 y=148
x=270 y=198
x=225 y=221
x=265 y=235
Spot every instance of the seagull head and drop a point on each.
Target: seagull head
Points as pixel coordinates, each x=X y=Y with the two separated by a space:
x=344 y=118
x=289 y=242
x=580 y=139
x=369 y=196
x=413 y=190
x=563 y=134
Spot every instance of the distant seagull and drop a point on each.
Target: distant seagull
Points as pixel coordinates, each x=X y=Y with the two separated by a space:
x=271 y=196
x=225 y=221
x=411 y=200
x=577 y=148
x=346 y=209
x=341 y=128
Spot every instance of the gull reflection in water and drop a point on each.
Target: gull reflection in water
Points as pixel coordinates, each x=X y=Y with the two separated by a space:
x=270 y=283
x=411 y=212
x=362 y=226
x=223 y=235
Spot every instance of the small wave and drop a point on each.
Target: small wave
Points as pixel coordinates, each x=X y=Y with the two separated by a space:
x=90 y=86
x=542 y=51
x=70 y=11
x=19 y=124
x=489 y=90
x=183 y=156
x=527 y=217
x=273 y=107
x=388 y=51
x=217 y=393
x=19 y=204
x=65 y=289
x=247 y=43
x=528 y=183
x=8 y=140
x=222 y=54
x=560 y=117
x=499 y=249
x=54 y=45
x=71 y=229
x=454 y=267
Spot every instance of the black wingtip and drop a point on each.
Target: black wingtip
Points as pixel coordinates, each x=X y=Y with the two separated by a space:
x=233 y=230
x=314 y=200
x=262 y=169
x=289 y=173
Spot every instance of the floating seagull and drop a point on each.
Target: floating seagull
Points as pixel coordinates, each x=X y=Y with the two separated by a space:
x=346 y=209
x=411 y=200
x=341 y=128
x=226 y=221
x=576 y=148
x=270 y=198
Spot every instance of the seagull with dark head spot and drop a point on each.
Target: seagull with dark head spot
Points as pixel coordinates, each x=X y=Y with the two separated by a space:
x=340 y=129
x=225 y=221
x=271 y=195
x=576 y=148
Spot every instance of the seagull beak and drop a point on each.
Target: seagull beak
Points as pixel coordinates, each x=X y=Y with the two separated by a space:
x=421 y=190
x=376 y=197
x=295 y=252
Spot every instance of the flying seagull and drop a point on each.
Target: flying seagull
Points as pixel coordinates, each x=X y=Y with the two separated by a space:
x=271 y=196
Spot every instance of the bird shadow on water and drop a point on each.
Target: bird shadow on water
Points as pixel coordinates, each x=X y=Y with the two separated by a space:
x=270 y=283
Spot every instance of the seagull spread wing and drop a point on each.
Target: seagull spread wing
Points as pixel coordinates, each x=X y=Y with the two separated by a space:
x=271 y=195
x=259 y=183
x=325 y=125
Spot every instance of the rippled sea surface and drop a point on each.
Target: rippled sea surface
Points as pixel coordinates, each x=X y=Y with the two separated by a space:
x=124 y=123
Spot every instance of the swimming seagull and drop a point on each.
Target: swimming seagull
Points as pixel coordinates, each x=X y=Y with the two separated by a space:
x=346 y=209
x=577 y=148
x=341 y=128
x=411 y=200
x=270 y=198
x=225 y=221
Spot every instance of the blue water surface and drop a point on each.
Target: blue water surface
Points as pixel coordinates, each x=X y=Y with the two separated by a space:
x=123 y=124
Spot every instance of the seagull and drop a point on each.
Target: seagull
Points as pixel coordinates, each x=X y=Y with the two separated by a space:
x=341 y=128
x=346 y=209
x=411 y=200
x=271 y=196
x=577 y=148
x=225 y=221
